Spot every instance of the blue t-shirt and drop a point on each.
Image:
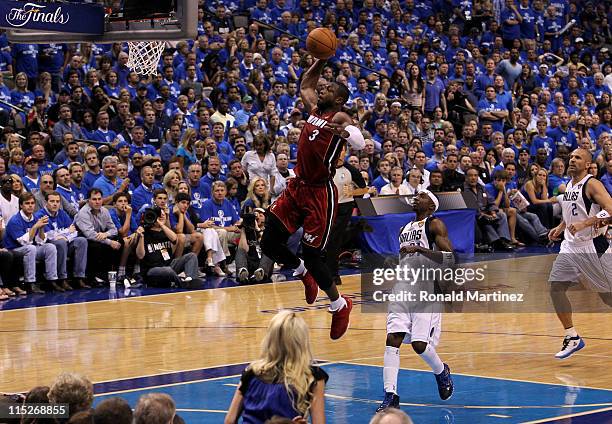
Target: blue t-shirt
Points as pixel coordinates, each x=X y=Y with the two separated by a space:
x=224 y=215
x=119 y=220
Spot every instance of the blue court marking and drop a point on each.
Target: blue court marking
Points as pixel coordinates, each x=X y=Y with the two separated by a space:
x=354 y=391
x=99 y=294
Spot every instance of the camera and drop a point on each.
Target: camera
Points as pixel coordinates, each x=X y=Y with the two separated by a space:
x=150 y=216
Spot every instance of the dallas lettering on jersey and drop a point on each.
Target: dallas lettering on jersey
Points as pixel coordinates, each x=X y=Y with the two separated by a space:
x=317 y=122
x=157 y=247
x=571 y=196
x=410 y=236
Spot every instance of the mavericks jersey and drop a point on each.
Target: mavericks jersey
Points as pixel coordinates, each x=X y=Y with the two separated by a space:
x=577 y=207
x=416 y=233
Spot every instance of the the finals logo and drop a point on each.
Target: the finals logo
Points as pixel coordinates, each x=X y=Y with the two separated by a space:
x=32 y=12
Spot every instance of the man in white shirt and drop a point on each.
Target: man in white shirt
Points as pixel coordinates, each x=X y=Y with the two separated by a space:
x=9 y=203
x=395 y=187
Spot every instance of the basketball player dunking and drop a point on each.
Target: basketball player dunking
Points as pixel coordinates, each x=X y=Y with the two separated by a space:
x=419 y=326
x=310 y=199
x=585 y=251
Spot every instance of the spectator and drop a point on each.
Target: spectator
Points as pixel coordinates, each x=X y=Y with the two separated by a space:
x=251 y=263
x=492 y=222
x=224 y=216
x=109 y=183
x=154 y=408
x=113 y=411
x=264 y=386
x=9 y=203
x=391 y=416
x=395 y=187
x=161 y=258
x=123 y=217
x=258 y=195
x=95 y=223
x=26 y=237
x=260 y=161
x=46 y=186
x=453 y=180
x=61 y=232
x=74 y=390
x=536 y=192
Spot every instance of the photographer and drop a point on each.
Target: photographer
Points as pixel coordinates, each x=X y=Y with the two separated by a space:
x=156 y=248
x=250 y=261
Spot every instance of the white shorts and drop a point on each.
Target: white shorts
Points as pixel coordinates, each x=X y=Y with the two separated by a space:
x=418 y=326
x=578 y=259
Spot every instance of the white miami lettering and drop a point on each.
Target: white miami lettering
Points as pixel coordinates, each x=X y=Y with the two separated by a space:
x=32 y=12
x=317 y=122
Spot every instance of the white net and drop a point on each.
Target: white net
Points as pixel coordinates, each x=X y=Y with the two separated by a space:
x=144 y=56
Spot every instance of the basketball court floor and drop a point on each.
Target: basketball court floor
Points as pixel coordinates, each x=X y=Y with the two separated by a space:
x=194 y=345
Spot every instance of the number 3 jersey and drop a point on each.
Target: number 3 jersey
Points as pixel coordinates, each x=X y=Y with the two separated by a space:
x=577 y=207
x=318 y=149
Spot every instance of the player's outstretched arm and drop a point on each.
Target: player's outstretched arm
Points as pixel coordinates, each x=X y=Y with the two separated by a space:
x=342 y=126
x=308 y=86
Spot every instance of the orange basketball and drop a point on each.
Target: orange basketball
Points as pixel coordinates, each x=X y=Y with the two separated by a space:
x=322 y=43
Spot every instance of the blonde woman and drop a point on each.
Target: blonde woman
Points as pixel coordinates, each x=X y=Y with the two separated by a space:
x=283 y=382
x=258 y=195
x=16 y=157
x=536 y=191
x=18 y=187
x=171 y=182
x=185 y=153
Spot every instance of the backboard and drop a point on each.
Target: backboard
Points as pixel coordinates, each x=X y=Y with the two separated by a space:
x=138 y=20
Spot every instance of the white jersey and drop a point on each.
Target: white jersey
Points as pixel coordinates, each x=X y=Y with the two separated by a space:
x=416 y=233
x=577 y=207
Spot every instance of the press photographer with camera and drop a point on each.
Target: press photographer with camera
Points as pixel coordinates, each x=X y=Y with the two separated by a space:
x=157 y=250
x=251 y=263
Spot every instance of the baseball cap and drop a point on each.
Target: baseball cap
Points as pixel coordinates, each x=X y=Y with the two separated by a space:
x=29 y=159
x=141 y=86
x=398 y=104
x=432 y=66
x=122 y=144
x=579 y=40
x=436 y=40
x=295 y=112
x=158 y=98
x=64 y=92
x=544 y=65
x=247 y=99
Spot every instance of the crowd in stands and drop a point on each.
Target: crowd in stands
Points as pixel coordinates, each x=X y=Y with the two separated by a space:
x=486 y=97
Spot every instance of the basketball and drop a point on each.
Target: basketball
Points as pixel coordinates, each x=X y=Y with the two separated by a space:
x=321 y=43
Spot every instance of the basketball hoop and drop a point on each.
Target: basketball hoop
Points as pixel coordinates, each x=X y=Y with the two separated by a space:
x=143 y=56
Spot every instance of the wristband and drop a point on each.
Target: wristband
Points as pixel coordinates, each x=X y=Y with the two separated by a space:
x=448 y=259
x=355 y=138
x=603 y=214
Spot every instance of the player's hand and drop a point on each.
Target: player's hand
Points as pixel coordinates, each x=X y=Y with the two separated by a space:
x=578 y=226
x=555 y=234
x=408 y=250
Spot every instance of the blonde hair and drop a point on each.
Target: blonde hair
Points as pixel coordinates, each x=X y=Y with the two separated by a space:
x=286 y=357
x=74 y=389
x=260 y=202
x=16 y=177
x=13 y=152
x=172 y=191
x=187 y=136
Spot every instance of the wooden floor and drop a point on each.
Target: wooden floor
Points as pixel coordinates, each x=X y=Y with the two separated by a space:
x=116 y=339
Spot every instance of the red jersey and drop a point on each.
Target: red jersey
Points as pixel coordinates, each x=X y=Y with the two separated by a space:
x=318 y=149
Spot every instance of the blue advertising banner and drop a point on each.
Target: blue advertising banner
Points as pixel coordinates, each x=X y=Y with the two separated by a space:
x=60 y=17
x=383 y=237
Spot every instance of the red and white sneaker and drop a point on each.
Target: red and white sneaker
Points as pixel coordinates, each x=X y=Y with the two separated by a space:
x=311 y=288
x=340 y=320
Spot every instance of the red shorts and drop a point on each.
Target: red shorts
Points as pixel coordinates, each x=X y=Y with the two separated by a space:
x=310 y=206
